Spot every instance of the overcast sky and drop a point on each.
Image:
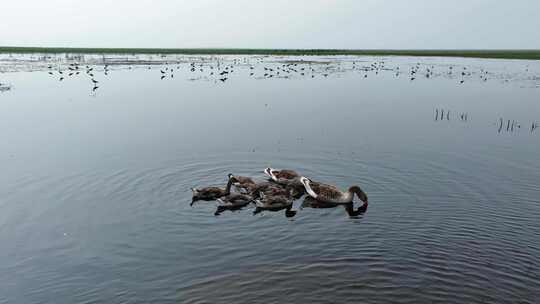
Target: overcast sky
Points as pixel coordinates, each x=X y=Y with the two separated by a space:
x=358 y=24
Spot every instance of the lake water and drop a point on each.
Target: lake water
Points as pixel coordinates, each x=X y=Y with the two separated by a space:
x=95 y=199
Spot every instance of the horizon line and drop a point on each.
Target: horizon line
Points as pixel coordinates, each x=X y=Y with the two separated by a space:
x=475 y=53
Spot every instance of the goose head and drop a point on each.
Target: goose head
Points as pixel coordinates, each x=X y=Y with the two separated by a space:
x=232 y=179
x=195 y=196
x=304 y=180
x=360 y=193
x=270 y=173
x=290 y=213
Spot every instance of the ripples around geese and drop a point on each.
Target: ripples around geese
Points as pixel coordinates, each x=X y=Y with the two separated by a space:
x=412 y=244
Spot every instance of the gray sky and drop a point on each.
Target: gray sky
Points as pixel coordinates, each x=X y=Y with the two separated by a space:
x=360 y=24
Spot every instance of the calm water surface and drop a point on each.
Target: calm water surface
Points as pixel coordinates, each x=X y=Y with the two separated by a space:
x=94 y=189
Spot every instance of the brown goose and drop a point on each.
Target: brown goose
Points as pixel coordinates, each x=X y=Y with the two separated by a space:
x=210 y=193
x=242 y=183
x=331 y=194
x=275 y=203
x=281 y=176
x=233 y=201
x=268 y=189
x=287 y=178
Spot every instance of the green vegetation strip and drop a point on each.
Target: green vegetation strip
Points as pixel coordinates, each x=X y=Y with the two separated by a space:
x=503 y=54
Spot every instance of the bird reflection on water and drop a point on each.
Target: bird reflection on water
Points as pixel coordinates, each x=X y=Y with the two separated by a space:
x=310 y=202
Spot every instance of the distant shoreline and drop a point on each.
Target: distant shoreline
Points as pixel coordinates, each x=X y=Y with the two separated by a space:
x=494 y=54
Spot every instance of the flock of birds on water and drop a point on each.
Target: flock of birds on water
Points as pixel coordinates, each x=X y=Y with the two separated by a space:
x=75 y=69
x=278 y=193
x=221 y=70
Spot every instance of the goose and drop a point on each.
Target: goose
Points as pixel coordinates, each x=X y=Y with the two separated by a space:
x=210 y=193
x=281 y=176
x=287 y=178
x=241 y=182
x=275 y=203
x=232 y=201
x=331 y=194
x=267 y=188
